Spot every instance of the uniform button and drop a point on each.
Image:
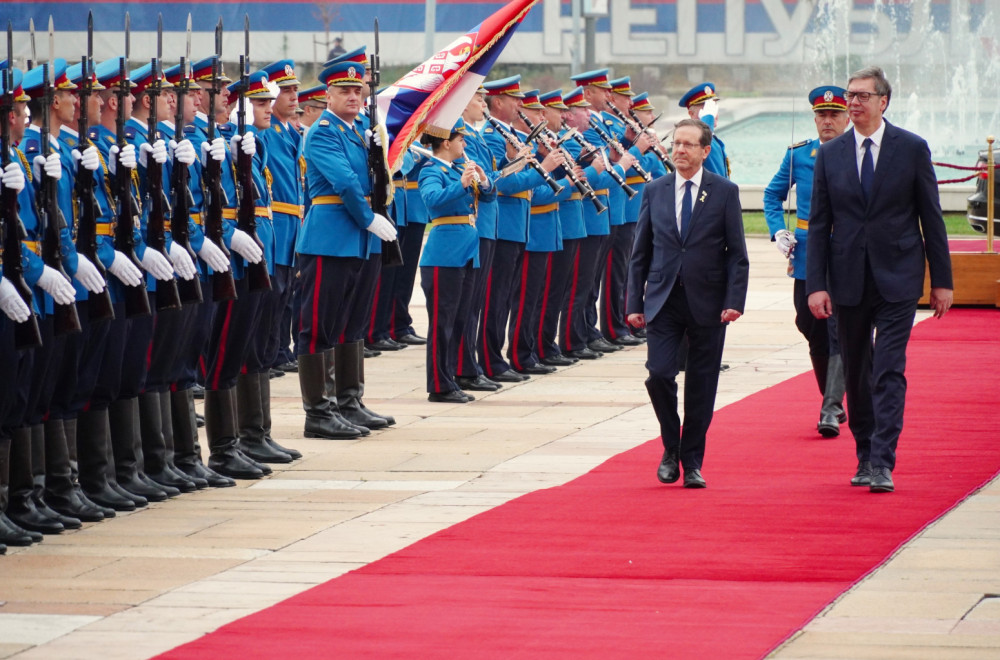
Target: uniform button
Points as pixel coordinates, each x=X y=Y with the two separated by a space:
x=683 y=250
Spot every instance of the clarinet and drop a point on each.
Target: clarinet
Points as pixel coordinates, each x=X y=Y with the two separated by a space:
x=637 y=128
x=589 y=148
x=517 y=144
x=617 y=146
x=582 y=186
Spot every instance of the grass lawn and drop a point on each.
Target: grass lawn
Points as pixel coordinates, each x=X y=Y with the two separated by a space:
x=753 y=224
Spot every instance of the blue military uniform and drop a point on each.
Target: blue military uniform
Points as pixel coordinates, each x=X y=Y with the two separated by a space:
x=717 y=161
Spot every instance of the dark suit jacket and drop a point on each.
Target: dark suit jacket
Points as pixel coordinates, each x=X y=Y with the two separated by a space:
x=713 y=257
x=894 y=228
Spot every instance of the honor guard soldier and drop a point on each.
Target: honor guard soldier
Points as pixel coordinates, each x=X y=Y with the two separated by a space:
x=831 y=118
x=702 y=103
x=334 y=242
x=313 y=102
x=449 y=261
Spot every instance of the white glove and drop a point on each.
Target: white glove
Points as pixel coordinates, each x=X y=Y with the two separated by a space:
x=124 y=156
x=182 y=262
x=183 y=151
x=246 y=143
x=785 y=241
x=125 y=270
x=12 y=178
x=157 y=265
x=157 y=150
x=51 y=165
x=57 y=286
x=383 y=228
x=88 y=160
x=213 y=256
x=246 y=247
x=11 y=302
x=375 y=137
x=214 y=150
x=88 y=275
x=709 y=109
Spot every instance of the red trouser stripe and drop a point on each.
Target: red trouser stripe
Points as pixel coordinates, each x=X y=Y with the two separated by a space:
x=315 y=305
x=572 y=297
x=608 y=298
x=371 y=321
x=540 y=342
x=484 y=342
x=223 y=340
x=520 y=313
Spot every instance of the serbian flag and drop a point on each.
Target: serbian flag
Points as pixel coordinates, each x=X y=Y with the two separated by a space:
x=435 y=94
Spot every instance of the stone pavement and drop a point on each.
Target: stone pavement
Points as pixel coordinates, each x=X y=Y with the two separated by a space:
x=152 y=579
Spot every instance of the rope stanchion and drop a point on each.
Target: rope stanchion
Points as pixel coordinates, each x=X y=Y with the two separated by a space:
x=979 y=170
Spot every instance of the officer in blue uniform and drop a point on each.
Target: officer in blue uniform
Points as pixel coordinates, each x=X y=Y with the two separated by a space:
x=701 y=102
x=831 y=119
x=334 y=241
x=451 y=192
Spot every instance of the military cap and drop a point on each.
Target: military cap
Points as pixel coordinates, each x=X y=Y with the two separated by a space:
x=174 y=74
x=201 y=71
x=315 y=94
x=343 y=73
x=828 y=97
x=597 y=78
x=531 y=100
x=553 y=99
x=505 y=87
x=357 y=56
x=575 y=99
x=34 y=82
x=109 y=72
x=282 y=73
x=143 y=78
x=641 y=102
x=257 y=88
x=698 y=94
x=75 y=75
x=16 y=78
x=622 y=86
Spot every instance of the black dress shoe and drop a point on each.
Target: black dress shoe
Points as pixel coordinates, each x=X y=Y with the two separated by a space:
x=536 y=369
x=881 y=481
x=198 y=469
x=669 y=470
x=385 y=345
x=167 y=479
x=259 y=450
x=231 y=463
x=151 y=493
x=290 y=367
x=275 y=373
x=371 y=353
x=75 y=509
x=627 y=340
x=138 y=500
x=199 y=420
x=108 y=497
x=585 y=354
x=412 y=340
x=11 y=534
x=639 y=332
x=453 y=396
x=480 y=383
x=559 y=360
x=863 y=476
x=603 y=345
x=198 y=391
x=828 y=426
x=842 y=417
x=509 y=376
x=723 y=367
x=693 y=479
x=294 y=453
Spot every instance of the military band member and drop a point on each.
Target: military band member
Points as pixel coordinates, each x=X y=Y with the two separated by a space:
x=831 y=118
x=701 y=102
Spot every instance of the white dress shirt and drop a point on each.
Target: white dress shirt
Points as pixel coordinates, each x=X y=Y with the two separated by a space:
x=859 y=150
x=679 y=182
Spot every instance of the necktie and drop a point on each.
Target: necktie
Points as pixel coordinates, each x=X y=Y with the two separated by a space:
x=867 y=167
x=686 y=209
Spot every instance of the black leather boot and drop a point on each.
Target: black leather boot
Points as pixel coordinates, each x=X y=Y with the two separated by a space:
x=187 y=451
x=250 y=406
x=154 y=445
x=70 y=429
x=322 y=420
x=831 y=414
x=265 y=406
x=220 y=424
x=169 y=440
x=350 y=387
x=21 y=508
x=360 y=353
x=127 y=446
x=10 y=533
x=59 y=493
x=92 y=440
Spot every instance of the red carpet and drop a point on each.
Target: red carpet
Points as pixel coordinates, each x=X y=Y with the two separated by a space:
x=615 y=565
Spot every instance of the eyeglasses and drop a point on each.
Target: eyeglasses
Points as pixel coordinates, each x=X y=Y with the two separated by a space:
x=686 y=145
x=861 y=96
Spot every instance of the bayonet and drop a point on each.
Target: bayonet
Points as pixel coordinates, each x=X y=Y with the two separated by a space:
x=34 y=55
x=52 y=51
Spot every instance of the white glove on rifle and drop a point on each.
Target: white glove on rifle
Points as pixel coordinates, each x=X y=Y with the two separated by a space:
x=383 y=228
x=157 y=265
x=182 y=151
x=246 y=143
x=88 y=160
x=213 y=256
x=246 y=247
x=125 y=157
x=157 y=150
x=214 y=150
x=126 y=272
x=375 y=137
x=709 y=109
x=53 y=283
x=11 y=302
x=12 y=178
x=50 y=164
x=88 y=275
x=182 y=262
x=785 y=241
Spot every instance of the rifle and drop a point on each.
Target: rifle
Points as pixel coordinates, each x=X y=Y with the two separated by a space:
x=591 y=150
x=515 y=142
x=167 y=294
x=582 y=186
x=638 y=128
x=245 y=189
x=126 y=206
x=189 y=290
x=51 y=221
x=613 y=142
x=26 y=333
x=378 y=177
x=223 y=284
x=100 y=306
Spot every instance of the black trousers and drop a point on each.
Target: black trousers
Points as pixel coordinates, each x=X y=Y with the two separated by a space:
x=820 y=333
x=231 y=335
x=328 y=285
x=362 y=304
x=590 y=311
x=449 y=296
x=506 y=263
x=528 y=294
x=280 y=328
x=559 y=277
x=45 y=365
x=468 y=366
x=172 y=332
x=613 y=323
x=873 y=338
x=664 y=334
x=574 y=328
x=200 y=333
x=394 y=319
x=262 y=349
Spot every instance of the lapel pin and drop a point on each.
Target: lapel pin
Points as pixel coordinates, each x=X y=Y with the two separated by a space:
x=704 y=194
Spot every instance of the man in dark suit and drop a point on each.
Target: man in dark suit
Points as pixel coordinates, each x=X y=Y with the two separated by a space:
x=875 y=218
x=687 y=277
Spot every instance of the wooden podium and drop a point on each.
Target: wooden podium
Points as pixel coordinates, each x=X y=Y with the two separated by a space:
x=976 y=276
